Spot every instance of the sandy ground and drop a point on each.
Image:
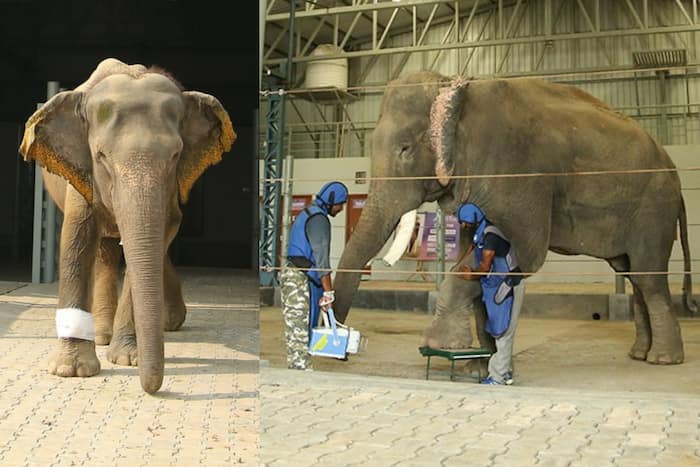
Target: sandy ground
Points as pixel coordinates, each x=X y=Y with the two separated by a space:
x=558 y=353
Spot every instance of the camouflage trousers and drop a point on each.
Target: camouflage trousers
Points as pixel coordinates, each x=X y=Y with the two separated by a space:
x=295 y=309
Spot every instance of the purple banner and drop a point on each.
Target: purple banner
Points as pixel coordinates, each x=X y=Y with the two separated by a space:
x=424 y=244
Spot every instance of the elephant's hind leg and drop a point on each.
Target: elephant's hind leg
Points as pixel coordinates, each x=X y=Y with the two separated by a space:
x=104 y=303
x=642 y=342
x=666 y=343
x=175 y=310
x=122 y=349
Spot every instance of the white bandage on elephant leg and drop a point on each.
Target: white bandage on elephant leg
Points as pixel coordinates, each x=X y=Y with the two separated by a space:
x=74 y=323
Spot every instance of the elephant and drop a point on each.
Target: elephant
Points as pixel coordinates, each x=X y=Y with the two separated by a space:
x=118 y=154
x=555 y=168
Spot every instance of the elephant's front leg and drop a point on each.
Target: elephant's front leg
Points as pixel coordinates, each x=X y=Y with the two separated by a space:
x=122 y=348
x=175 y=310
x=75 y=351
x=451 y=326
x=104 y=302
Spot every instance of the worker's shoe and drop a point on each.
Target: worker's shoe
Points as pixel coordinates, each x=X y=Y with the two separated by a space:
x=508 y=378
x=491 y=381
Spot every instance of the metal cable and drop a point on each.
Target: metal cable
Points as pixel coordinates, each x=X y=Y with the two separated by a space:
x=513 y=175
x=446 y=273
x=380 y=87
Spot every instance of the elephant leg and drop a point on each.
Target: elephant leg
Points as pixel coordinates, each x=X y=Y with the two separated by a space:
x=75 y=356
x=104 y=301
x=175 y=310
x=122 y=349
x=451 y=326
x=450 y=329
x=642 y=342
x=666 y=343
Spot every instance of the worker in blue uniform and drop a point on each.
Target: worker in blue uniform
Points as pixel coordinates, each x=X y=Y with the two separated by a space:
x=502 y=293
x=306 y=284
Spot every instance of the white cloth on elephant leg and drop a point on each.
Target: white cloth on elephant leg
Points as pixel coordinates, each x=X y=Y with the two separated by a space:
x=501 y=362
x=74 y=323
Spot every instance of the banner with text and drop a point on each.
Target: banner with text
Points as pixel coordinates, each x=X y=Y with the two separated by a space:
x=424 y=242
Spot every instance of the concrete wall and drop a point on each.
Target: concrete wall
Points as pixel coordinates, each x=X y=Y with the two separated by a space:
x=311 y=174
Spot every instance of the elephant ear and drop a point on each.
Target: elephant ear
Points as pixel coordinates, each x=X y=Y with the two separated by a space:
x=55 y=136
x=207 y=133
x=444 y=117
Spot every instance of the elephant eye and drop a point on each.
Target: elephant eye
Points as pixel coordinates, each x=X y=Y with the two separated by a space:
x=405 y=150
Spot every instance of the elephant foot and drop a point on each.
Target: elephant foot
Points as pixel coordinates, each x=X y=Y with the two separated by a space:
x=443 y=336
x=175 y=318
x=103 y=327
x=74 y=357
x=102 y=338
x=123 y=351
x=659 y=356
x=639 y=351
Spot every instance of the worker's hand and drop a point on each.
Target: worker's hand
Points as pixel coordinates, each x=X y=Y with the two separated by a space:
x=465 y=272
x=326 y=300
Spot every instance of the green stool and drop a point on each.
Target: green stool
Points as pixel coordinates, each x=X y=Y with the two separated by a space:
x=453 y=355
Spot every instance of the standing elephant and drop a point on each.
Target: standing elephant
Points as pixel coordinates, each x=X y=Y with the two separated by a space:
x=451 y=136
x=118 y=155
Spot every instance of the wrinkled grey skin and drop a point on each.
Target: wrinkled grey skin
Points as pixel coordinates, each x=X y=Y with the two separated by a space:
x=118 y=155
x=532 y=126
x=457 y=300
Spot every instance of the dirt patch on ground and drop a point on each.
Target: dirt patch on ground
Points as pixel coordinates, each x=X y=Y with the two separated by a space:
x=559 y=353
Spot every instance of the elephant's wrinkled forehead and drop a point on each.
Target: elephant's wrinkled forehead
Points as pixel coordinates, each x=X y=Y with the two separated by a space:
x=148 y=82
x=148 y=89
x=408 y=98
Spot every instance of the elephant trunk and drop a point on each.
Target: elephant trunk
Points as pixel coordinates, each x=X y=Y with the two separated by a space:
x=379 y=217
x=140 y=215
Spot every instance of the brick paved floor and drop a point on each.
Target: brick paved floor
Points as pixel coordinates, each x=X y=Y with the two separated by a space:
x=322 y=418
x=207 y=412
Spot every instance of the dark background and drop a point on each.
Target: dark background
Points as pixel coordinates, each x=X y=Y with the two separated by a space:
x=209 y=46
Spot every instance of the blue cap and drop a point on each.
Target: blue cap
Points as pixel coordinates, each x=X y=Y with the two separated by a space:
x=470 y=213
x=333 y=193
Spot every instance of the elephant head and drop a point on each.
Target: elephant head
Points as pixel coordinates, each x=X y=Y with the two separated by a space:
x=133 y=143
x=411 y=145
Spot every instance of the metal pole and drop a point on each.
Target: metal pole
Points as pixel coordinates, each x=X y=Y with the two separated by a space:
x=663 y=122
x=261 y=45
x=290 y=50
x=52 y=88
x=254 y=255
x=16 y=231
x=37 y=230
x=440 y=245
x=287 y=208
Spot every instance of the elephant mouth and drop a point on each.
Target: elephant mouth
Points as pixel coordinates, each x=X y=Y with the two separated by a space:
x=434 y=191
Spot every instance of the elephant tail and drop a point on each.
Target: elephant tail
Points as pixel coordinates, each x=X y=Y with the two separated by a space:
x=688 y=300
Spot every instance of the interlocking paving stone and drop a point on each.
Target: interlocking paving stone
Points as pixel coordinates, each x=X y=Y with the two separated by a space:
x=511 y=426
x=207 y=412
